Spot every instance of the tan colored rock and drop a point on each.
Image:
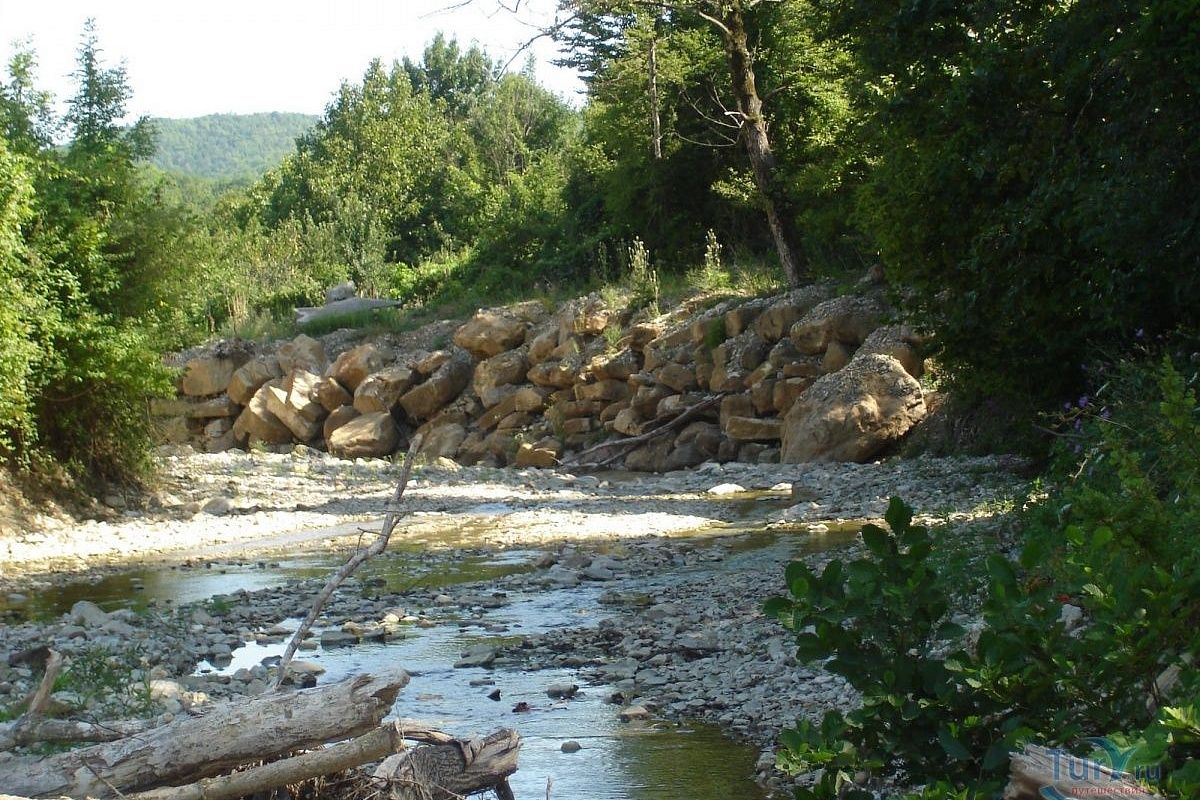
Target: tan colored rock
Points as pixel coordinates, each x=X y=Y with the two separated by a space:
x=303 y=352
x=505 y=369
x=704 y=435
x=431 y=362
x=257 y=423
x=502 y=444
x=517 y=420
x=846 y=319
x=762 y=372
x=610 y=411
x=221 y=406
x=614 y=366
x=539 y=456
x=762 y=396
x=578 y=425
x=735 y=359
x=737 y=320
x=372 y=435
x=490 y=332
x=901 y=343
x=735 y=405
x=293 y=404
x=542 y=345
x=331 y=394
x=578 y=408
x=640 y=335
x=492 y=417
x=173 y=430
x=678 y=403
x=628 y=422
x=353 y=366
x=785 y=311
x=530 y=398
x=646 y=399
x=557 y=374
x=381 y=391
x=207 y=376
x=787 y=391
x=676 y=376
x=837 y=355
x=444 y=440
x=441 y=388
x=589 y=318
x=753 y=429
x=853 y=414
x=472 y=450
x=337 y=418
x=250 y=377
x=684 y=456
x=606 y=391
x=652 y=456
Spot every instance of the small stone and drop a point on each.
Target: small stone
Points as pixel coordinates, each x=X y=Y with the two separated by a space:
x=571 y=747
x=562 y=690
x=726 y=488
x=632 y=713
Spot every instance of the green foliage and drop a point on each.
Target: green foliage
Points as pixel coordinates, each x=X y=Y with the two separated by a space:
x=105 y=684
x=227 y=147
x=1115 y=541
x=90 y=269
x=1032 y=176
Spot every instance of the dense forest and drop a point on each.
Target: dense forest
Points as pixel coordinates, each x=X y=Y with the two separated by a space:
x=1026 y=176
x=226 y=147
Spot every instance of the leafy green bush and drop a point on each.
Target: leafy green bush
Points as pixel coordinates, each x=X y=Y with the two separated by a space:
x=1115 y=541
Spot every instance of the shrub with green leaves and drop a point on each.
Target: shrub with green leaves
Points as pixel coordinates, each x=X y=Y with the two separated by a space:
x=1115 y=541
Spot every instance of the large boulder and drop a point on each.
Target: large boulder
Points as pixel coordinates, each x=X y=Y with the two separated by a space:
x=293 y=403
x=847 y=319
x=443 y=441
x=490 y=332
x=556 y=374
x=785 y=311
x=615 y=366
x=446 y=383
x=382 y=390
x=353 y=366
x=303 y=352
x=372 y=435
x=331 y=394
x=250 y=377
x=735 y=359
x=208 y=375
x=504 y=369
x=853 y=414
x=336 y=419
x=257 y=423
x=901 y=343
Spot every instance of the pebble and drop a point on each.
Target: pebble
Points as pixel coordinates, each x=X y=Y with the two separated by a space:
x=571 y=747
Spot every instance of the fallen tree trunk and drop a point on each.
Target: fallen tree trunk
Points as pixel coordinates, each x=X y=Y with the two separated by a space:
x=13 y=734
x=451 y=771
x=228 y=736
x=351 y=305
x=1072 y=777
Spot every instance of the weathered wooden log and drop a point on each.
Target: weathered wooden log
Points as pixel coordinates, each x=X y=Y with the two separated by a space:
x=351 y=305
x=1072 y=777
x=14 y=734
x=227 y=736
x=451 y=771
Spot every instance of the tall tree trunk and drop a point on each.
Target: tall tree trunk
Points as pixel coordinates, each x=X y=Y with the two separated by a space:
x=758 y=145
x=655 y=120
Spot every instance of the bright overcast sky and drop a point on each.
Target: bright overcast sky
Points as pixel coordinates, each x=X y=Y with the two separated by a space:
x=189 y=59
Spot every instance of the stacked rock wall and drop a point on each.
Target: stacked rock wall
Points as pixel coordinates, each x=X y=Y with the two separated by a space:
x=803 y=376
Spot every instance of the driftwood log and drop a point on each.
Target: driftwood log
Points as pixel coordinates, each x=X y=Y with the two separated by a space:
x=1074 y=778
x=453 y=770
x=227 y=736
x=351 y=305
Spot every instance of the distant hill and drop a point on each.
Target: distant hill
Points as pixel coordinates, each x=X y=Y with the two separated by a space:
x=227 y=146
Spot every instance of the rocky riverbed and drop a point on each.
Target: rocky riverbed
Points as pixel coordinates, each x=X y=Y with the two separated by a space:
x=644 y=591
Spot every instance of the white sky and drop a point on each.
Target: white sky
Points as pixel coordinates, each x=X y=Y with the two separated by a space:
x=195 y=58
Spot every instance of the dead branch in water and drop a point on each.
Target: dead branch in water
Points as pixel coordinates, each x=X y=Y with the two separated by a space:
x=355 y=561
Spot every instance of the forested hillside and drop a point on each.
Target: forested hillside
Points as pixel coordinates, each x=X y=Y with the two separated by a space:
x=226 y=146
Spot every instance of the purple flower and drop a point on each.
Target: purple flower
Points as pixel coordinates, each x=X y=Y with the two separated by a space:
x=1083 y=401
x=1140 y=333
x=1105 y=413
